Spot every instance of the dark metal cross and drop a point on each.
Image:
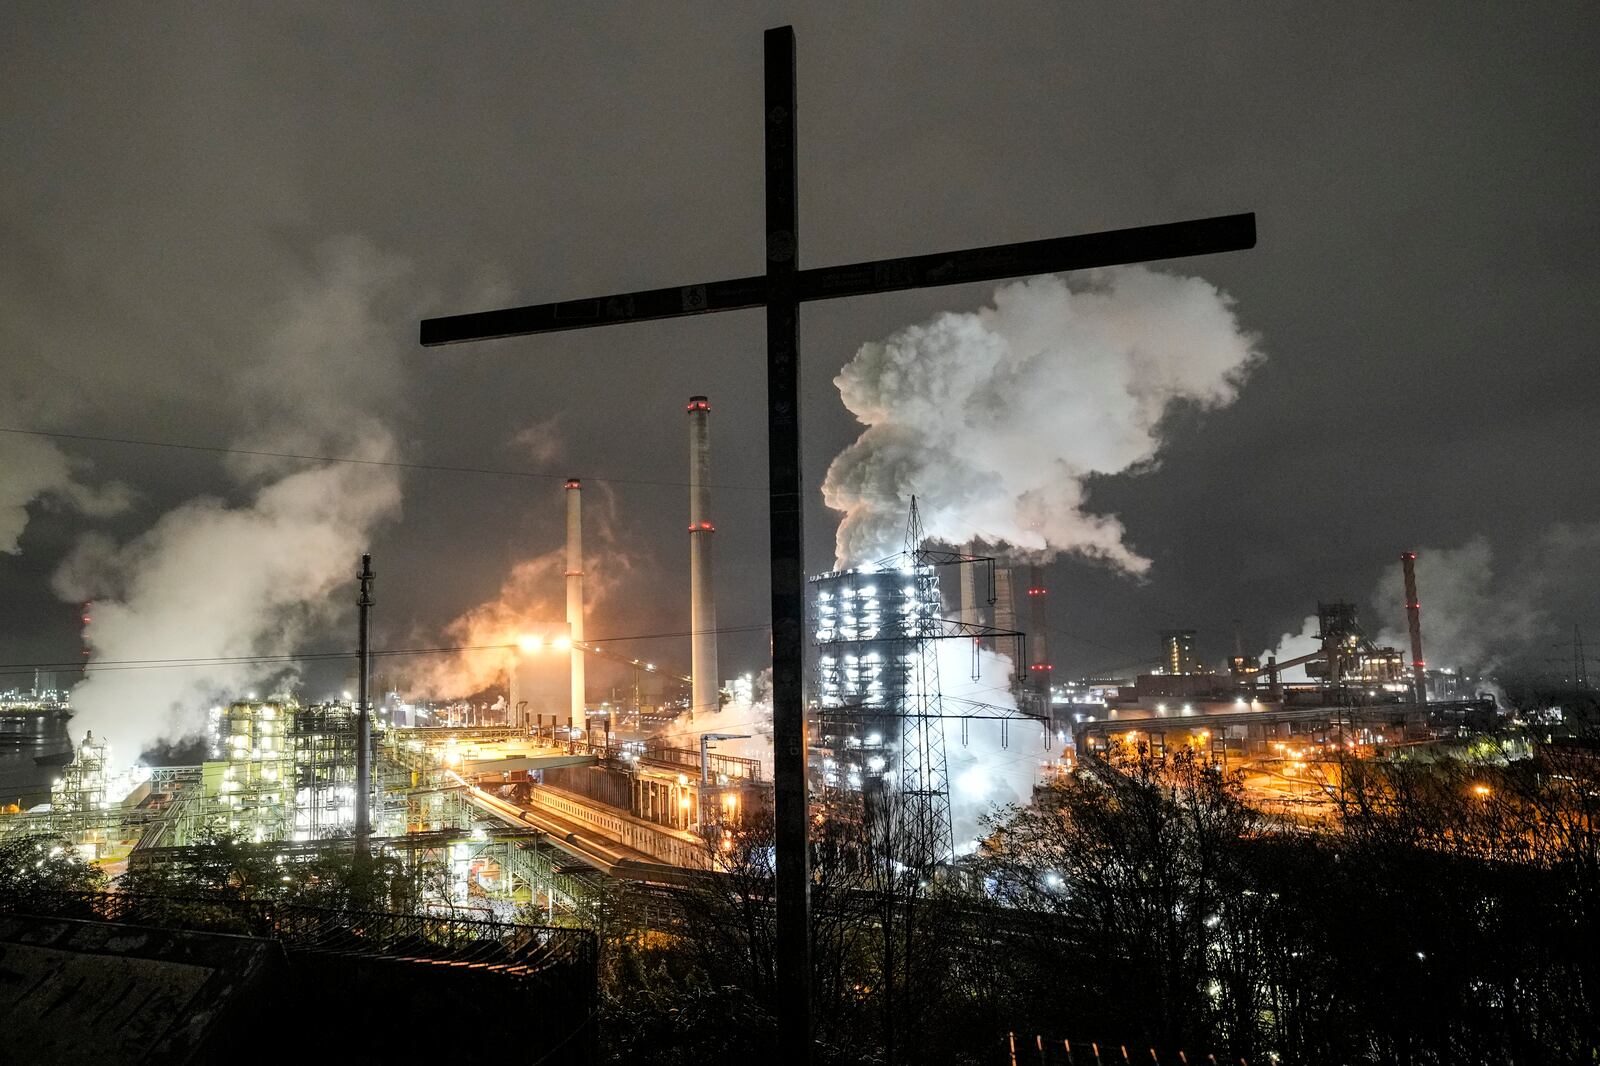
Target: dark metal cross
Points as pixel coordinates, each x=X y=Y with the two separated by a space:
x=781 y=290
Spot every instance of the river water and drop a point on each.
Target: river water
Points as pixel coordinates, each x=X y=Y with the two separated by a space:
x=22 y=780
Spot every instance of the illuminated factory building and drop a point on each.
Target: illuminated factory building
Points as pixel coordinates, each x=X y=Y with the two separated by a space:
x=280 y=771
x=866 y=627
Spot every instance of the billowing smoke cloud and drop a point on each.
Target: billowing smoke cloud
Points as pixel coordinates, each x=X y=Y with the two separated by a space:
x=257 y=575
x=533 y=592
x=745 y=712
x=1480 y=612
x=1292 y=646
x=34 y=468
x=542 y=441
x=997 y=419
x=991 y=763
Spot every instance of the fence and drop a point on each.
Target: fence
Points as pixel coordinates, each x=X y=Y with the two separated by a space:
x=1038 y=1050
x=517 y=949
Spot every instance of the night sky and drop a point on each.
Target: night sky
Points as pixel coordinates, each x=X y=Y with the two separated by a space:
x=179 y=183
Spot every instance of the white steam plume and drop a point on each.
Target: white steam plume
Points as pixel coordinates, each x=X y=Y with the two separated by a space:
x=999 y=763
x=214 y=579
x=994 y=765
x=1292 y=646
x=747 y=713
x=996 y=419
x=34 y=468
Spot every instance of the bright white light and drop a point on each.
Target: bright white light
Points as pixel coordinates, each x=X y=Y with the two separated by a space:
x=529 y=643
x=974 y=782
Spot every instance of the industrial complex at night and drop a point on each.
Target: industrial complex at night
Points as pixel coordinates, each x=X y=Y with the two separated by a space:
x=538 y=792
x=1000 y=535
x=532 y=807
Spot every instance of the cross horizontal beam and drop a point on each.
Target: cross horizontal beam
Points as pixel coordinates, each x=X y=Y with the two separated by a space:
x=1172 y=240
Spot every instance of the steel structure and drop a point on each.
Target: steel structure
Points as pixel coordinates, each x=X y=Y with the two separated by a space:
x=881 y=710
x=324 y=741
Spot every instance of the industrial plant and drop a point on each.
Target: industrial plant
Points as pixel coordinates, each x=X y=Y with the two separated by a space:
x=545 y=793
x=583 y=777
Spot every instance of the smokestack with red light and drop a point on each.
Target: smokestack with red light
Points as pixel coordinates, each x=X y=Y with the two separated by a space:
x=1408 y=562
x=1039 y=668
x=702 y=598
x=575 y=596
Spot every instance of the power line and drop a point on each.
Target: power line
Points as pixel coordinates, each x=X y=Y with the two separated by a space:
x=216 y=449
x=393 y=463
x=317 y=656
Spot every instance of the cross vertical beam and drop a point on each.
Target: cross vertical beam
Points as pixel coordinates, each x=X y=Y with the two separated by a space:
x=791 y=814
x=363 y=832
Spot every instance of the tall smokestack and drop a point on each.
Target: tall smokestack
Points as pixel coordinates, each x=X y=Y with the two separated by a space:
x=969 y=589
x=1408 y=562
x=1038 y=647
x=575 y=595
x=702 y=595
x=1005 y=613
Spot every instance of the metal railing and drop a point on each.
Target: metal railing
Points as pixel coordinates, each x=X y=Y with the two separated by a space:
x=504 y=946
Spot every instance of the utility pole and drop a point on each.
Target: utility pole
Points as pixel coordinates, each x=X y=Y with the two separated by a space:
x=1580 y=662
x=364 y=721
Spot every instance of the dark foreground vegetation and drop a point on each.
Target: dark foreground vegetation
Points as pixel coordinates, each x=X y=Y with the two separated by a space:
x=1446 y=911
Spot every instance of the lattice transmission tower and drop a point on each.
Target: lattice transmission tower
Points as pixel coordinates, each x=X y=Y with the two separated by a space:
x=924 y=769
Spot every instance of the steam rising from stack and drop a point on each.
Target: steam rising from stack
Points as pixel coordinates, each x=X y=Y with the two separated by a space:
x=215 y=580
x=997 y=419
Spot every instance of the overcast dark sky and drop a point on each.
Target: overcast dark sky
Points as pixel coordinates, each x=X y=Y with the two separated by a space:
x=1425 y=288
